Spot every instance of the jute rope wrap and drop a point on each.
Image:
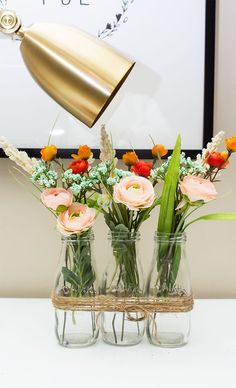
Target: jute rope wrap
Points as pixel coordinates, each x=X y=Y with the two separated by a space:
x=146 y=306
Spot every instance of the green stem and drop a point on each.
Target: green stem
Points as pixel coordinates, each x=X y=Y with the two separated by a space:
x=113 y=327
x=64 y=328
x=123 y=326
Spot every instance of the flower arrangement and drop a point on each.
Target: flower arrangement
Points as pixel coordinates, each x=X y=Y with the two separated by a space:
x=76 y=193
x=188 y=186
x=74 y=217
x=125 y=197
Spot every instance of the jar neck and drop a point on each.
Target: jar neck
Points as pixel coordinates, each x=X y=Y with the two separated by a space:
x=75 y=238
x=179 y=238
x=123 y=236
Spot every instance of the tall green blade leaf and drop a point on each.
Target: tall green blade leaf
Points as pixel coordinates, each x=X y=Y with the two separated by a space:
x=167 y=207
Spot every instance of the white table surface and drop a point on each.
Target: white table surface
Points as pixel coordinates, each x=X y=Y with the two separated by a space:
x=31 y=358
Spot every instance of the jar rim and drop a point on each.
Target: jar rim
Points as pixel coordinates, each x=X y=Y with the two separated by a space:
x=179 y=236
x=129 y=235
x=87 y=237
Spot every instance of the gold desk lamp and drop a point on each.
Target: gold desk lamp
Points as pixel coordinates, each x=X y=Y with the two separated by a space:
x=82 y=73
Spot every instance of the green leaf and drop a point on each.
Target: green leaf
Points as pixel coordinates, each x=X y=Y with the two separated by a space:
x=92 y=202
x=121 y=228
x=88 y=279
x=61 y=208
x=109 y=222
x=71 y=277
x=145 y=214
x=156 y=202
x=215 y=217
x=167 y=207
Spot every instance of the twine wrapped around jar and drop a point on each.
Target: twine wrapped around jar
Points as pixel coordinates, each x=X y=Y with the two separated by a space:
x=147 y=306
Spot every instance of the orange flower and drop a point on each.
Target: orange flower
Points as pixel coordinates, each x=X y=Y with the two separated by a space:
x=231 y=144
x=130 y=158
x=84 y=153
x=48 y=153
x=159 y=149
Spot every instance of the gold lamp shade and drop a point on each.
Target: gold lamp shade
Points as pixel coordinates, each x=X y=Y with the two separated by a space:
x=80 y=72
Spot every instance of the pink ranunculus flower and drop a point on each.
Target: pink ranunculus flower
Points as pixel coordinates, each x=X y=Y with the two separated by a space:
x=198 y=189
x=53 y=198
x=135 y=192
x=77 y=218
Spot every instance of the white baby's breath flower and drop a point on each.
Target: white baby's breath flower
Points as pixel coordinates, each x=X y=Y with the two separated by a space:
x=91 y=159
x=214 y=144
x=19 y=157
x=199 y=158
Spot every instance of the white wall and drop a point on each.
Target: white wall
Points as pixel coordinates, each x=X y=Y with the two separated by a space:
x=29 y=243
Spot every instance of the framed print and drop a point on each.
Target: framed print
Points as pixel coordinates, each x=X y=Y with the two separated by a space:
x=169 y=91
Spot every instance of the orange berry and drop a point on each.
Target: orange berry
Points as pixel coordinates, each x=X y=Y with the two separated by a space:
x=48 y=153
x=231 y=144
x=130 y=158
x=159 y=149
x=84 y=153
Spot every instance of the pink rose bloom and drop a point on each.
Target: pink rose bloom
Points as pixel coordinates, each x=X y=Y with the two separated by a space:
x=53 y=198
x=135 y=192
x=77 y=219
x=198 y=189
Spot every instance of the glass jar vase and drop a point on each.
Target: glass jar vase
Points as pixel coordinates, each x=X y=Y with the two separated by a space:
x=169 y=287
x=123 y=323
x=76 y=326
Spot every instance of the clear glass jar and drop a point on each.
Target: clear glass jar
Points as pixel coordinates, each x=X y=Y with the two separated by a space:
x=122 y=280
x=169 y=277
x=76 y=279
